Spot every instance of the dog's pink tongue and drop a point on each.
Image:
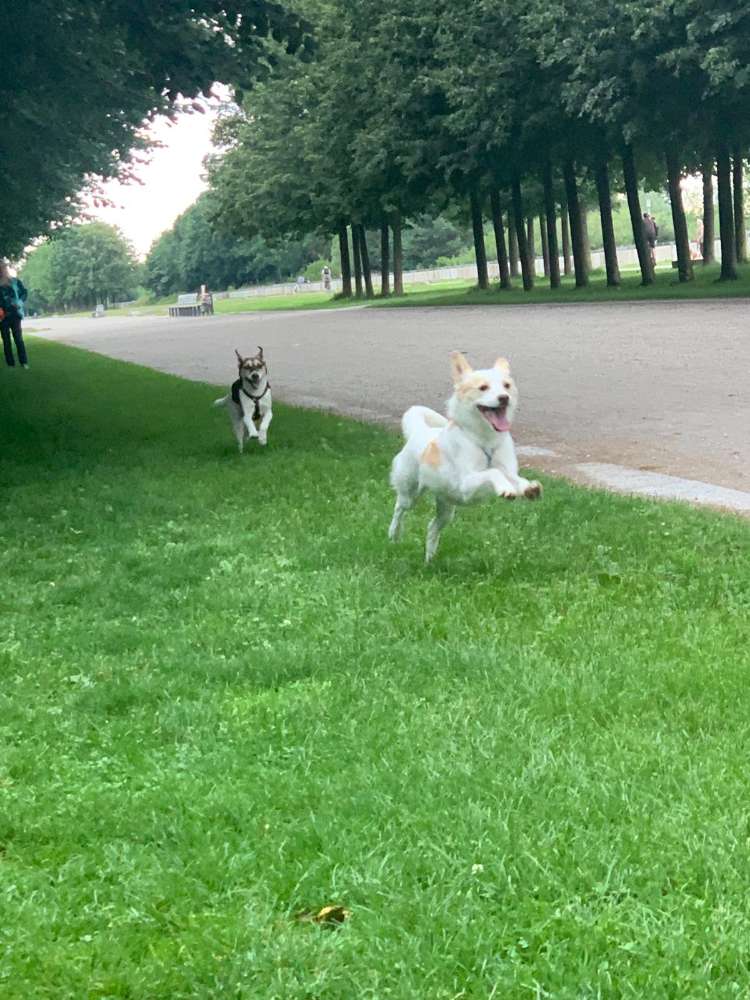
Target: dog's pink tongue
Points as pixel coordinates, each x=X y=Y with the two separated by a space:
x=499 y=420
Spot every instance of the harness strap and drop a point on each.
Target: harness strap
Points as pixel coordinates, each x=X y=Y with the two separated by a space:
x=238 y=387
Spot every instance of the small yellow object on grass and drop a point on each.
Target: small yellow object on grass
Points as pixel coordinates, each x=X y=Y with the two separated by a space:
x=329 y=916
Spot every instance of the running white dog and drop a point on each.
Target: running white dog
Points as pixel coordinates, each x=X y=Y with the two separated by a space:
x=467 y=456
x=249 y=400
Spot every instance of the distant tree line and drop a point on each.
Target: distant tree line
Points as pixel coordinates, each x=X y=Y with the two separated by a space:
x=195 y=252
x=79 y=267
x=522 y=114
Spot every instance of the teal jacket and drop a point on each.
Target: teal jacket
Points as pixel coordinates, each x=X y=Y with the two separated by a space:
x=13 y=296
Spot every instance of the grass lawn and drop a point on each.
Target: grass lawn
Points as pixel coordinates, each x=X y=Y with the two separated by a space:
x=227 y=699
x=666 y=286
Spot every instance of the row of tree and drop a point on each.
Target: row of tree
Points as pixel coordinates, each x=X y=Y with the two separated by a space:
x=195 y=251
x=532 y=110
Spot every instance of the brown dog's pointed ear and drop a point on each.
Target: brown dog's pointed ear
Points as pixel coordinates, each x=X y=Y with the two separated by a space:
x=239 y=356
x=503 y=364
x=460 y=367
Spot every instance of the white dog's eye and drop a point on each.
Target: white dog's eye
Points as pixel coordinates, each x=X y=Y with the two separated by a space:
x=483 y=387
x=506 y=385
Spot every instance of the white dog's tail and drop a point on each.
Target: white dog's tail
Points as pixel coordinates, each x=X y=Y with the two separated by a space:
x=221 y=402
x=418 y=419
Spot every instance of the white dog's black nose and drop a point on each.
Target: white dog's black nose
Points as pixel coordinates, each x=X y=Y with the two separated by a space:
x=503 y=400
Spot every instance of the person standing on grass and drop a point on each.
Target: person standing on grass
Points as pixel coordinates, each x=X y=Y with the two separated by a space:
x=13 y=294
x=699 y=238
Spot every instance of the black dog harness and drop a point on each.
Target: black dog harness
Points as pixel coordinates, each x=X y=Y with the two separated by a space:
x=238 y=387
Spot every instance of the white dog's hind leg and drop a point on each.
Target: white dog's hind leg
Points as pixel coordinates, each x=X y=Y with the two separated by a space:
x=404 y=502
x=405 y=481
x=443 y=514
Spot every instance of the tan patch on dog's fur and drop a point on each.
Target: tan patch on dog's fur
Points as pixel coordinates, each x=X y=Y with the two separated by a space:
x=471 y=384
x=432 y=455
x=460 y=367
x=503 y=364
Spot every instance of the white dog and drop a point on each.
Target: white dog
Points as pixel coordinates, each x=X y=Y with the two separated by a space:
x=467 y=456
x=249 y=400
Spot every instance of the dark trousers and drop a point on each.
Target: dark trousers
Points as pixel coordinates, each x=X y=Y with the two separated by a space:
x=12 y=325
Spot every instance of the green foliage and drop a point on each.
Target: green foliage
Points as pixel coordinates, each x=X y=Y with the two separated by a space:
x=399 y=113
x=314 y=270
x=80 y=266
x=86 y=74
x=229 y=699
x=196 y=252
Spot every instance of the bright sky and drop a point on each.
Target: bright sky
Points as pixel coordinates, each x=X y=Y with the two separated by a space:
x=171 y=181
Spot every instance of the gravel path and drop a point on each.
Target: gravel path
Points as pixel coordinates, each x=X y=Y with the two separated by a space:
x=660 y=387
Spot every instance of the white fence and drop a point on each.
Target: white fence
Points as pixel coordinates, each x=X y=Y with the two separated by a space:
x=627 y=257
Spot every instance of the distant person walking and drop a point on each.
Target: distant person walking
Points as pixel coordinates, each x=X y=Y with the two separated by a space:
x=12 y=298
x=326 y=276
x=206 y=301
x=651 y=231
x=700 y=235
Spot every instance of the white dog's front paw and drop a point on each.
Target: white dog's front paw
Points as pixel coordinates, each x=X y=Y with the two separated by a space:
x=262 y=439
x=533 y=490
x=508 y=495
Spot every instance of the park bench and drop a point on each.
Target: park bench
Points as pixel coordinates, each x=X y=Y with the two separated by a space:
x=187 y=305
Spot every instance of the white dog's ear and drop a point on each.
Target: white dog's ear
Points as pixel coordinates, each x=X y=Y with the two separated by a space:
x=460 y=367
x=239 y=356
x=503 y=364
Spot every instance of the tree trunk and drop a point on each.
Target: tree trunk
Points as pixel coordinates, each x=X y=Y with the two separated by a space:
x=346 y=267
x=502 y=253
x=585 y=236
x=740 y=236
x=679 y=222
x=512 y=244
x=545 y=245
x=636 y=219
x=726 y=215
x=480 y=251
x=608 y=229
x=565 y=234
x=551 y=226
x=365 y=255
x=530 y=248
x=398 y=257
x=576 y=228
x=709 y=228
x=523 y=250
x=385 y=261
x=357 y=261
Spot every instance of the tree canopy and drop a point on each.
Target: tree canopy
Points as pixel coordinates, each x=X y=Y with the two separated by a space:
x=80 y=266
x=85 y=75
x=194 y=252
x=538 y=109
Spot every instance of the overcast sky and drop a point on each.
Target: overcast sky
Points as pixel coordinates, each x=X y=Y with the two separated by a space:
x=172 y=180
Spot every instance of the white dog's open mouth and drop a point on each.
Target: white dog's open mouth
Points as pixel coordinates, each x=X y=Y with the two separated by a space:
x=496 y=417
